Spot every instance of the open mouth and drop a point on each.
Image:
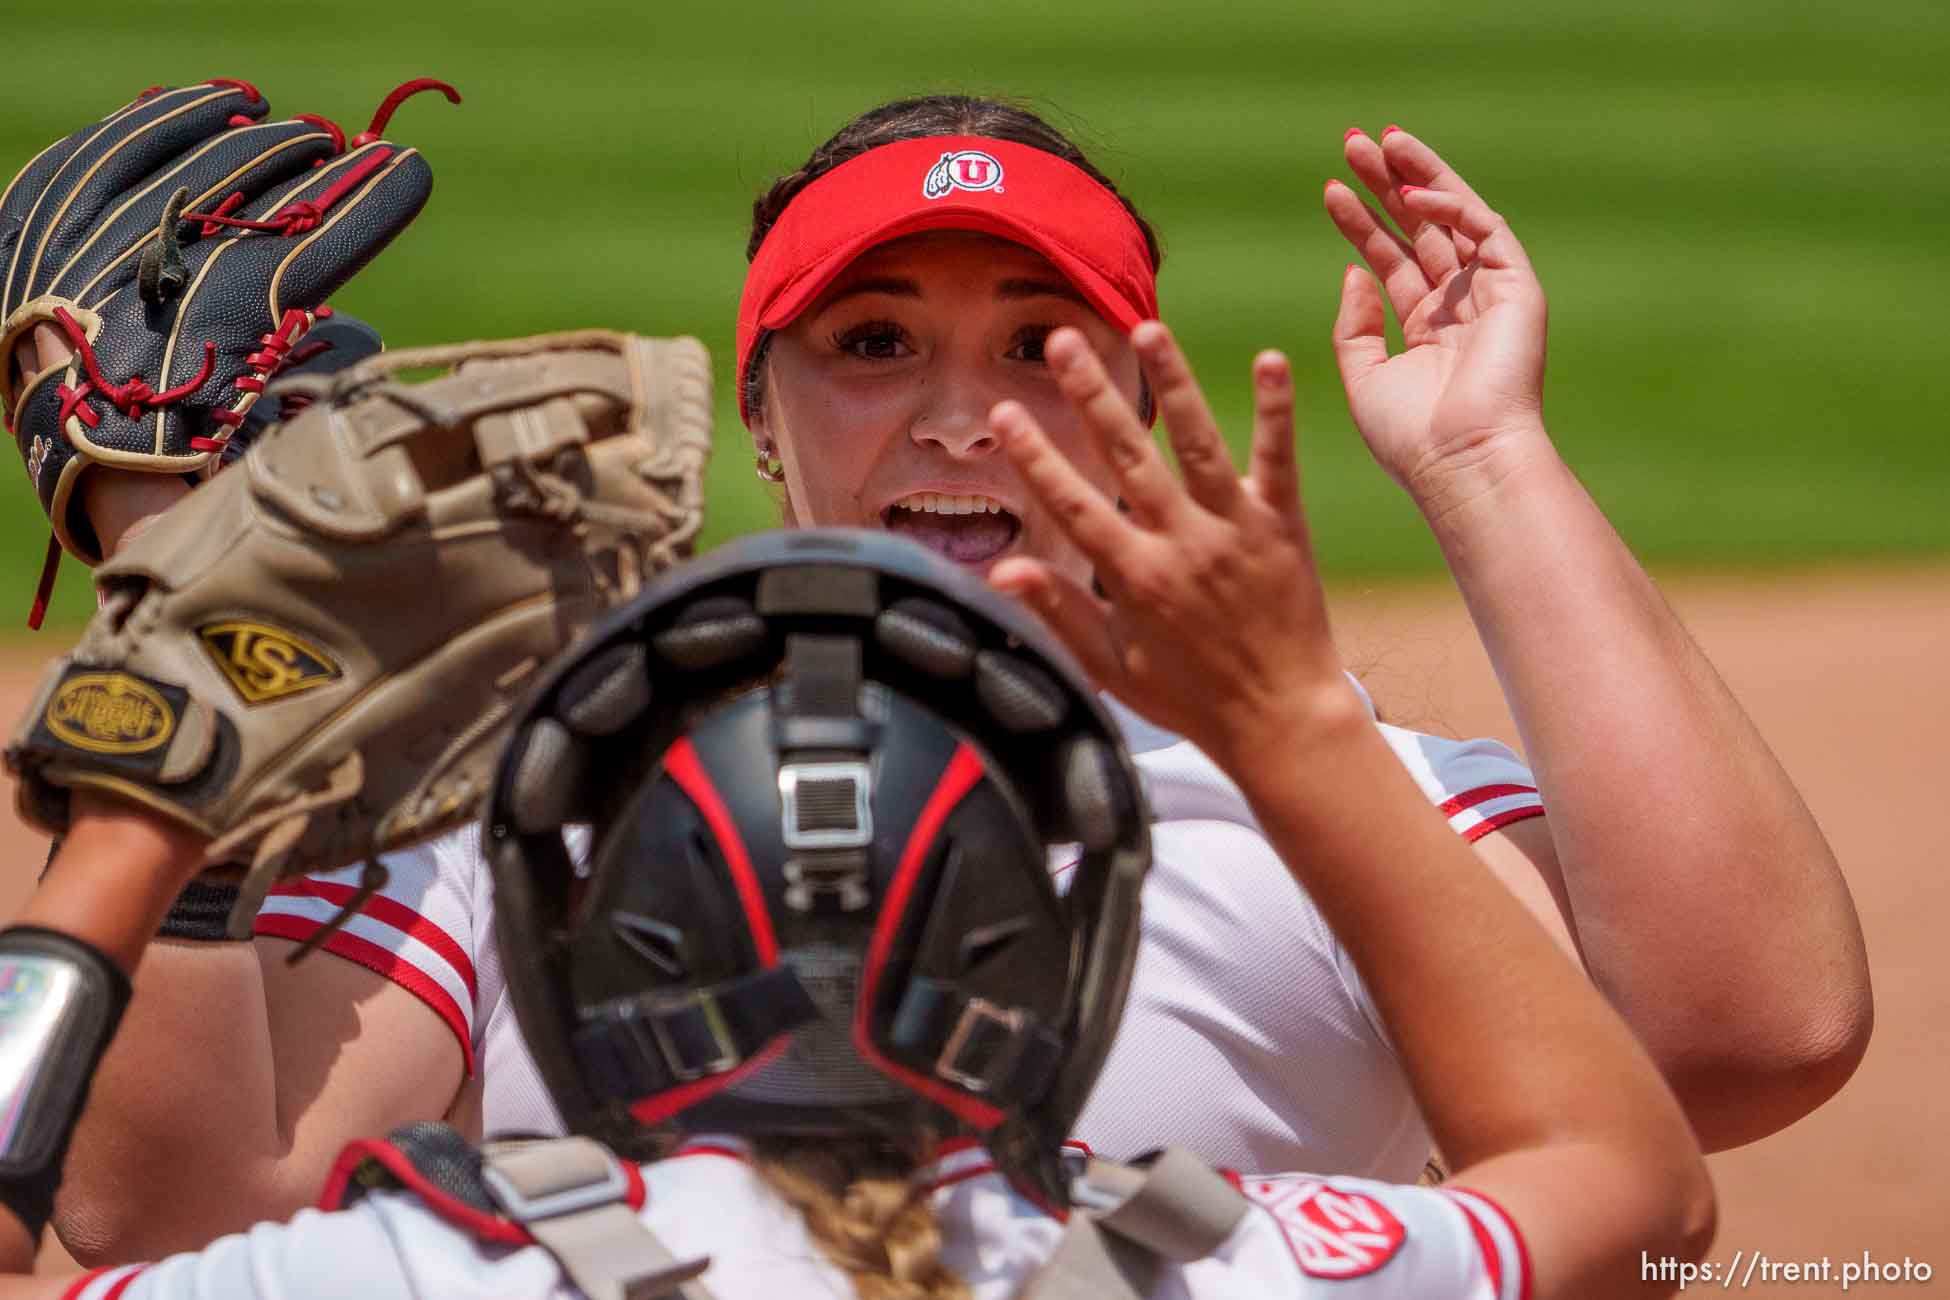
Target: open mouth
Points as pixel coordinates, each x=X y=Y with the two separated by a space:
x=971 y=530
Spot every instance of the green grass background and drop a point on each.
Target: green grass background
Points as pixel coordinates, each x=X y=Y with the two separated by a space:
x=1738 y=207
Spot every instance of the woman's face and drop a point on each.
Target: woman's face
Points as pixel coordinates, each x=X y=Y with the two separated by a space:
x=878 y=396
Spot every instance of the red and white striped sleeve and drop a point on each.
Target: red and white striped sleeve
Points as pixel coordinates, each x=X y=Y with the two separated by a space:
x=108 y=1283
x=418 y=931
x=1479 y=785
x=1504 y=1254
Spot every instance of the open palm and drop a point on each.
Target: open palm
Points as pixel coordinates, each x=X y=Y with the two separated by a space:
x=1473 y=315
x=1207 y=614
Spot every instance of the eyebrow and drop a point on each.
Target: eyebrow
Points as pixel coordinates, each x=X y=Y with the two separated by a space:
x=1011 y=290
x=891 y=285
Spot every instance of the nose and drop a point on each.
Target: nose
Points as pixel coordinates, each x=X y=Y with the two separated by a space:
x=963 y=440
x=955 y=418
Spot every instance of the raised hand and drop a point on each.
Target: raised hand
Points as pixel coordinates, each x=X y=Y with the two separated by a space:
x=1212 y=622
x=1467 y=390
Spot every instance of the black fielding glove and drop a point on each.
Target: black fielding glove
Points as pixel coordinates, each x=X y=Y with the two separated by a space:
x=183 y=246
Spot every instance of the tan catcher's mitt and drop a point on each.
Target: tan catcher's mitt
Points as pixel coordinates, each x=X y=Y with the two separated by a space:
x=311 y=658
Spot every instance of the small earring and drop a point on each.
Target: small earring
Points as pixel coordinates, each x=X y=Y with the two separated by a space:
x=770 y=468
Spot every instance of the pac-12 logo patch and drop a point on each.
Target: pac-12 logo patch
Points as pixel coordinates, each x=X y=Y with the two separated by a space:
x=964 y=169
x=264 y=663
x=1333 y=1233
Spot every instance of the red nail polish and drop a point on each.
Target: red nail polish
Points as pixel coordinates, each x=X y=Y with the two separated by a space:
x=1352 y=267
x=1411 y=189
x=1331 y=183
x=1352 y=131
x=1391 y=127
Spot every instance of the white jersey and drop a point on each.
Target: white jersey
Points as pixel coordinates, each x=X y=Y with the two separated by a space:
x=1247 y=1037
x=1302 y=1238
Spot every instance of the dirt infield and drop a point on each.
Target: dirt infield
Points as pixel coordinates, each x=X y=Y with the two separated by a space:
x=1849 y=676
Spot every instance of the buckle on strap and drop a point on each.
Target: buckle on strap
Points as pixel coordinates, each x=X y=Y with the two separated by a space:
x=645 y=1043
x=726 y=1054
x=977 y=1015
x=826 y=805
x=573 y=1197
x=542 y=1180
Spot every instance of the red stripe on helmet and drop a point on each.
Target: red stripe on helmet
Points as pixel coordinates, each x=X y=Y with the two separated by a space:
x=957 y=779
x=681 y=762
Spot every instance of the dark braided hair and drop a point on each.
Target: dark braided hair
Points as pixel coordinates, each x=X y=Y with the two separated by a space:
x=916 y=119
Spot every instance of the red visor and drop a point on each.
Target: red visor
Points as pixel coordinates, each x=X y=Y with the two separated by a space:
x=947 y=182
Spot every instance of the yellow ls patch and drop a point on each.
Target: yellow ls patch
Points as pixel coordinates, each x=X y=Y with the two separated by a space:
x=110 y=713
x=264 y=663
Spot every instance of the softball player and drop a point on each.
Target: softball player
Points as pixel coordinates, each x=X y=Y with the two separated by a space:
x=869 y=1103
x=906 y=281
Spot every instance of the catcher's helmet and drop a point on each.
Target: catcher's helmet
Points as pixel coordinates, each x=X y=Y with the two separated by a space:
x=825 y=771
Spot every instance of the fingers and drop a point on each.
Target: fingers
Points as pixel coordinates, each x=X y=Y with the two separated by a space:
x=1434 y=248
x=1496 y=245
x=1203 y=457
x=1385 y=252
x=51 y=347
x=1143 y=479
x=1076 y=615
x=40 y=348
x=1417 y=164
x=1086 y=517
x=1360 y=340
x=19 y=363
x=1274 y=470
x=1420 y=165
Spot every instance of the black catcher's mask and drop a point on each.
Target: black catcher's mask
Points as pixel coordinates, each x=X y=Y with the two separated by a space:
x=829 y=776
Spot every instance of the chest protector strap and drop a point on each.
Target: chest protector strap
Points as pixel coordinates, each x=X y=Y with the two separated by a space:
x=1128 y=1224
x=572 y=1196
x=569 y=1196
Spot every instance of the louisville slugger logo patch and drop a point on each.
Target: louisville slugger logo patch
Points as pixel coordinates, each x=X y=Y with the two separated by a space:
x=1333 y=1233
x=110 y=713
x=263 y=662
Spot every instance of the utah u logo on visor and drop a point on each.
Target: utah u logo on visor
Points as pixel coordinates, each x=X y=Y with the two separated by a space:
x=967 y=169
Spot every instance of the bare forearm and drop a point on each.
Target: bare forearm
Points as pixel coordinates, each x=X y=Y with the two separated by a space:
x=117 y=910
x=1705 y=898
